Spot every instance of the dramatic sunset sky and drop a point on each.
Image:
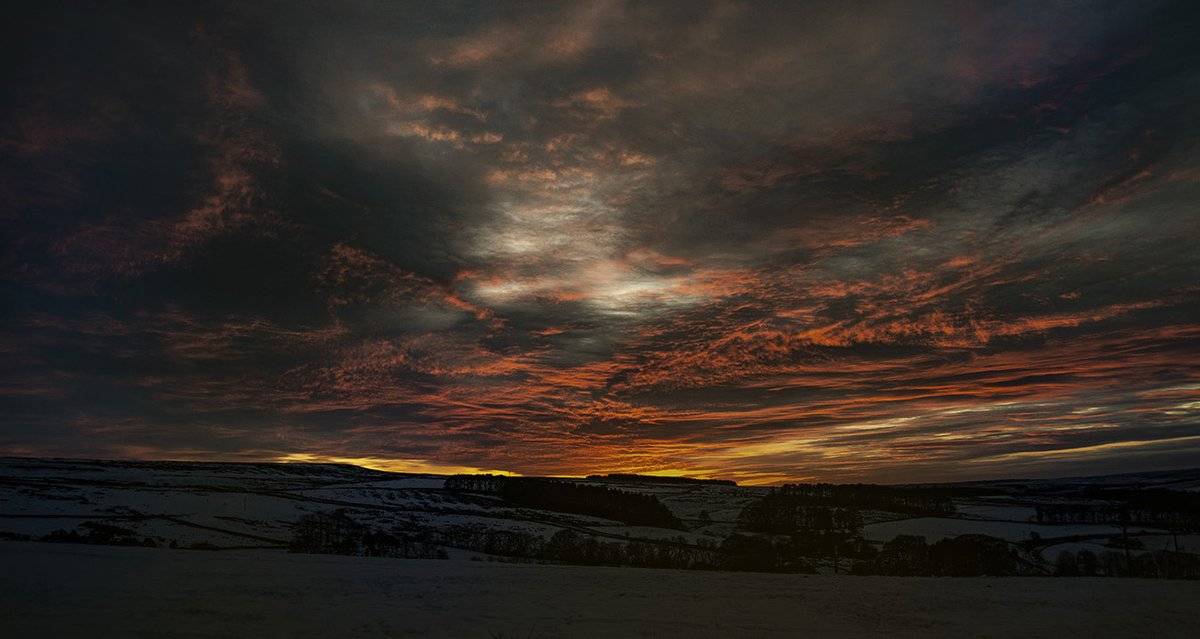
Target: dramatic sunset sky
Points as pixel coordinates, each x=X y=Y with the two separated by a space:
x=763 y=241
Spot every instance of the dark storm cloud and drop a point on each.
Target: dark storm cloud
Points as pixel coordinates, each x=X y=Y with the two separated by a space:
x=769 y=241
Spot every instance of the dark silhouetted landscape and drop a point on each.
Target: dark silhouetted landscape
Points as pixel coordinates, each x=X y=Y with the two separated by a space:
x=474 y=555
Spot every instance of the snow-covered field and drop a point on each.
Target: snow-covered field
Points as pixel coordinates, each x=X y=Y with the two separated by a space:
x=233 y=505
x=251 y=587
x=236 y=505
x=62 y=590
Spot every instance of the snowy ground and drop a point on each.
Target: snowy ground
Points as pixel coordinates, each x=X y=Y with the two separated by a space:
x=65 y=590
x=235 y=505
x=62 y=590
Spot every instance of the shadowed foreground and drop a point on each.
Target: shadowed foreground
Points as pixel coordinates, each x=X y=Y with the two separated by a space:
x=59 y=590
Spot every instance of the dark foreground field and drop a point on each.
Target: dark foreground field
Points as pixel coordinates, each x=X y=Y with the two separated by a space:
x=63 y=590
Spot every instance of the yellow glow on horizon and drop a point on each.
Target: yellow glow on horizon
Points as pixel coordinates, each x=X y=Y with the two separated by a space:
x=418 y=466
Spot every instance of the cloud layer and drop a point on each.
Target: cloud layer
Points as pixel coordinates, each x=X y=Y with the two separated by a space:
x=866 y=241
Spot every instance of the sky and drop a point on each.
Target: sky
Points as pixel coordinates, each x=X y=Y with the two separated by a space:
x=877 y=241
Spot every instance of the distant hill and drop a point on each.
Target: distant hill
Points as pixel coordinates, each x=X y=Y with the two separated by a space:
x=1178 y=479
x=656 y=479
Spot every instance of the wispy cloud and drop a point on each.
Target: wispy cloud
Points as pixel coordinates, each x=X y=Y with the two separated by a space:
x=870 y=242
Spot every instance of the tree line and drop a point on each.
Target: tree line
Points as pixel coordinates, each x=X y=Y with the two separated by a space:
x=786 y=507
x=1172 y=510
x=1163 y=564
x=633 y=509
x=336 y=533
x=961 y=556
x=94 y=532
x=739 y=553
x=572 y=547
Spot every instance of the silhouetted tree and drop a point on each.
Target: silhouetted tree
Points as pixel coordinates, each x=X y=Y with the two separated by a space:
x=970 y=555
x=905 y=555
x=1066 y=564
x=333 y=533
x=1086 y=562
x=762 y=554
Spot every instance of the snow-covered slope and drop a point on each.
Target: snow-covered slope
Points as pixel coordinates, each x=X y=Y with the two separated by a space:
x=64 y=591
x=219 y=505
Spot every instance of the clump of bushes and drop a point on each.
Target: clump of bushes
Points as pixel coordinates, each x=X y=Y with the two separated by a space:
x=90 y=532
x=336 y=533
x=754 y=553
x=1158 y=564
x=961 y=556
x=571 y=547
